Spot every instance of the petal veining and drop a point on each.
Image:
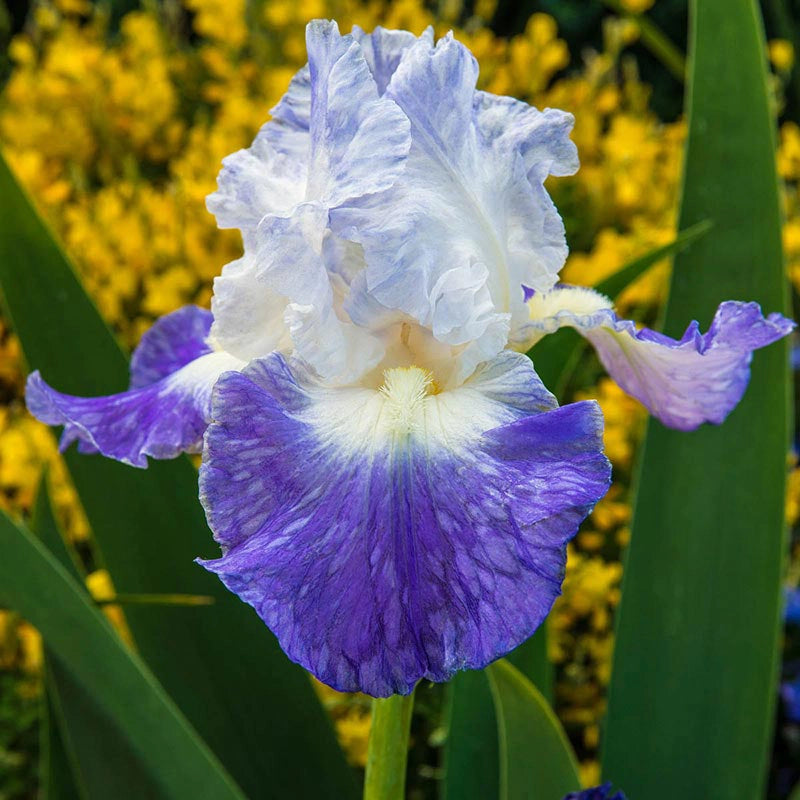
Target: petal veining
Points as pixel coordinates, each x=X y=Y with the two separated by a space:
x=541 y=137
x=167 y=409
x=359 y=140
x=384 y=48
x=394 y=534
x=171 y=343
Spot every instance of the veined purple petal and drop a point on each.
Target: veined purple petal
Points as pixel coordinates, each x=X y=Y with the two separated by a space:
x=171 y=343
x=165 y=412
x=698 y=378
x=393 y=535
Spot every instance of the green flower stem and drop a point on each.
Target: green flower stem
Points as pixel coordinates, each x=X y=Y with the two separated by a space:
x=388 y=748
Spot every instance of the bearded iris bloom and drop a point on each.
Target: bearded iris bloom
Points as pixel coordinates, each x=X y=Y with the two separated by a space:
x=391 y=485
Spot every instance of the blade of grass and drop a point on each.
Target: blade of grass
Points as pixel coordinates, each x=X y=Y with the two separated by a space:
x=655 y=40
x=156 y=600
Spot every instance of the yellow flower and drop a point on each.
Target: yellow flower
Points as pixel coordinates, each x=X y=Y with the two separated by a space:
x=781 y=54
x=637 y=6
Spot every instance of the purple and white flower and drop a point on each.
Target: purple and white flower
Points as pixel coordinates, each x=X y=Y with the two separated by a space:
x=391 y=484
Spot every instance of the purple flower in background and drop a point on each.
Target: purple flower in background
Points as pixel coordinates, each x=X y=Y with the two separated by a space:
x=597 y=793
x=792 y=606
x=391 y=484
x=790 y=694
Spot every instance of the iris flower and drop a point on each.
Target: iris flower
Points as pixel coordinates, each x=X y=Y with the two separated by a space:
x=391 y=485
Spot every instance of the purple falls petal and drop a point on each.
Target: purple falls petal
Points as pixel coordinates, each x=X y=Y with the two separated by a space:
x=684 y=382
x=171 y=343
x=379 y=557
x=165 y=412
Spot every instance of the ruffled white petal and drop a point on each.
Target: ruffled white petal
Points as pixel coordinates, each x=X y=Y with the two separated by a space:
x=288 y=129
x=257 y=181
x=248 y=313
x=390 y=212
x=452 y=243
x=383 y=49
x=359 y=140
x=541 y=137
x=339 y=351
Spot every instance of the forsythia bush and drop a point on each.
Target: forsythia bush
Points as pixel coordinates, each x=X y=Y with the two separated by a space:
x=118 y=135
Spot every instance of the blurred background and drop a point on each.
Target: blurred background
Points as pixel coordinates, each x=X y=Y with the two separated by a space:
x=116 y=115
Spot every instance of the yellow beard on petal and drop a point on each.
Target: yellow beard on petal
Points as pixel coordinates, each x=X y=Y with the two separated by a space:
x=404 y=391
x=576 y=300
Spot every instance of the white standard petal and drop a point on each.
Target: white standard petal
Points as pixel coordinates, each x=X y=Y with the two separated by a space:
x=383 y=49
x=256 y=181
x=248 y=313
x=292 y=264
x=463 y=206
x=359 y=140
x=541 y=137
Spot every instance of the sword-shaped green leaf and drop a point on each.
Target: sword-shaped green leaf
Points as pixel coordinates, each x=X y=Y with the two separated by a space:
x=101 y=759
x=177 y=761
x=471 y=753
x=56 y=776
x=693 y=685
x=223 y=668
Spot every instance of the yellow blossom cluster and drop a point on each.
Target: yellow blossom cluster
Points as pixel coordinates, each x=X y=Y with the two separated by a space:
x=118 y=136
